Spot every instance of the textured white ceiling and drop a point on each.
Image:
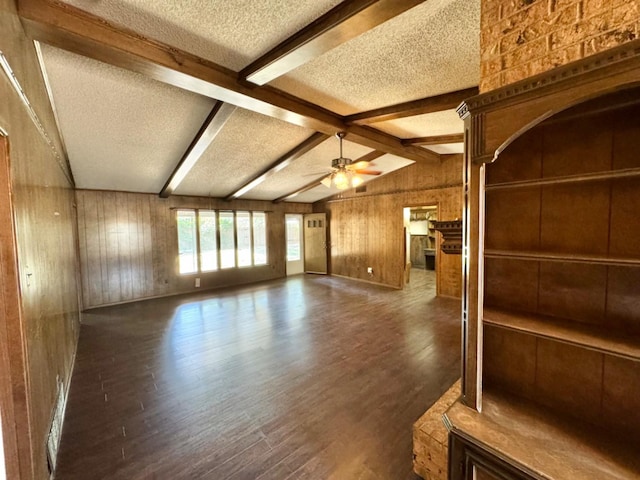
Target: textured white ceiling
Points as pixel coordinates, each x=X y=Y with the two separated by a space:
x=123 y=131
x=246 y=145
x=386 y=163
x=431 y=49
x=303 y=170
x=126 y=132
x=229 y=33
x=447 y=149
x=429 y=124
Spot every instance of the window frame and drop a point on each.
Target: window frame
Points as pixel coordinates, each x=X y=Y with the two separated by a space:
x=217 y=216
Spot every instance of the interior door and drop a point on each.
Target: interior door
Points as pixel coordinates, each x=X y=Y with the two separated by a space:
x=315 y=243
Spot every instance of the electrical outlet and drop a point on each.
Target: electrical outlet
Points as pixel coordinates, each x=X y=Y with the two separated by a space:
x=197 y=282
x=370 y=270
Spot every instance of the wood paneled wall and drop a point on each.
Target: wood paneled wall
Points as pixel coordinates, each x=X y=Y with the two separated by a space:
x=129 y=243
x=366 y=229
x=45 y=308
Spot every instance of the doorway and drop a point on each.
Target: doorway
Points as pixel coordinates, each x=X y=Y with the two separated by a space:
x=14 y=389
x=421 y=258
x=295 y=244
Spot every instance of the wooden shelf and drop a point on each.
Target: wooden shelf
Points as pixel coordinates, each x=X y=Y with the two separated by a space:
x=540 y=444
x=566 y=331
x=560 y=257
x=588 y=177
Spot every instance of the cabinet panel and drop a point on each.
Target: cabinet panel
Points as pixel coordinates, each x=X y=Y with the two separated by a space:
x=513 y=219
x=576 y=146
x=626 y=139
x=569 y=379
x=625 y=218
x=511 y=284
x=509 y=360
x=575 y=218
x=623 y=299
x=574 y=291
x=521 y=161
x=621 y=391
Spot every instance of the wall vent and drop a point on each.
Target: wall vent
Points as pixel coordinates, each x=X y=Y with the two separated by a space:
x=361 y=189
x=55 y=431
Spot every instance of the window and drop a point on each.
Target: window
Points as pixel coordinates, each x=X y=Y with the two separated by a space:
x=243 y=227
x=259 y=238
x=227 y=240
x=293 y=239
x=187 y=241
x=210 y=240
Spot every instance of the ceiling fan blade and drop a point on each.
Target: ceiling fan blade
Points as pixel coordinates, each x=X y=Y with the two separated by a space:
x=369 y=172
x=360 y=164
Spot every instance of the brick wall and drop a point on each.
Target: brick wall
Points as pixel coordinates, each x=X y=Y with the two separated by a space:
x=521 y=38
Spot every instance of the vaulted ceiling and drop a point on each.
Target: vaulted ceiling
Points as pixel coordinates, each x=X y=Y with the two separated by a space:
x=241 y=99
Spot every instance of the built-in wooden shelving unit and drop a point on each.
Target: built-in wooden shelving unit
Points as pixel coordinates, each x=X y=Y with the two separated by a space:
x=585 y=336
x=551 y=307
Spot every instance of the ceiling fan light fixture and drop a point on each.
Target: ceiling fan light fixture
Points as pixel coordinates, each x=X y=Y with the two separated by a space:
x=341 y=180
x=356 y=181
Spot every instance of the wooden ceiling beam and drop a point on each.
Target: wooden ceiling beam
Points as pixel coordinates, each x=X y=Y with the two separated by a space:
x=69 y=28
x=369 y=157
x=437 y=103
x=345 y=21
x=284 y=161
x=435 y=140
x=214 y=122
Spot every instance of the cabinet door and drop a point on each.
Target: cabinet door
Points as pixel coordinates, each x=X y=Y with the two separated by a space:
x=470 y=462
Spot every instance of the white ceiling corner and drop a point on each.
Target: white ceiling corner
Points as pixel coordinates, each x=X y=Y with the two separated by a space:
x=246 y=145
x=431 y=49
x=426 y=125
x=231 y=34
x=122 y=130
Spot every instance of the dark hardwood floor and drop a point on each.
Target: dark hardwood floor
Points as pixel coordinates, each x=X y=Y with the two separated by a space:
x=308 y=377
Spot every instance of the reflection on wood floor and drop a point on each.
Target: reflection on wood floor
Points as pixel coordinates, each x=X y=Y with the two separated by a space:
x=308 y=377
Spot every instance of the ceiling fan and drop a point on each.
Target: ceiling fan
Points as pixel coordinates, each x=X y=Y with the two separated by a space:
x=345 y=172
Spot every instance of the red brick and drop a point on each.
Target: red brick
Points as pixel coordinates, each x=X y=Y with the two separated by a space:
x=595 y=7
x=611 y=39
x=490 y=83
x=557 y=58
x=521 y=37
x=491 y=67
x=489 y=53
x=512 y=6
x=517 y=73
x=526 y=53
x=626 y=13
x=489 y=14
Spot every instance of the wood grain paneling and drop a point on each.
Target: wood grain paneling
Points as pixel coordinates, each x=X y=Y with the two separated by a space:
x=621 y=393
x=511 y=361
x=577 y=146
x=569 y=379
x=521 y=161
x=129 y=243
x=45 y=243
x=366 y=229
x=502 y=290
x=575 y=218
x=623 y=300
x=513 y=219
x=576 y=291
